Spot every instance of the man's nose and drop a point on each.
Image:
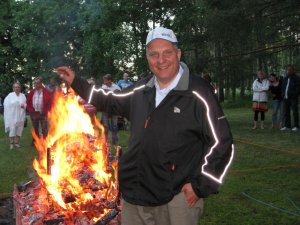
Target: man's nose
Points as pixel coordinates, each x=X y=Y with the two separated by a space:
x=161 y=58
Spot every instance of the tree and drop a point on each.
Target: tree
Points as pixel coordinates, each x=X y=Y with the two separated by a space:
x=228 y=39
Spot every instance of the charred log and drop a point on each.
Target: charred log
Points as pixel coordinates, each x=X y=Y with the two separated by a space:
x=108 y=217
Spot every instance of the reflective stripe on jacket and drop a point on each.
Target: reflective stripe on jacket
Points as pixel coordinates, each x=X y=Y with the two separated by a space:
x=185 y=139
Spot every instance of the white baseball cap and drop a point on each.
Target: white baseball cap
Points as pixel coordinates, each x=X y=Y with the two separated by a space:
x=162 y=33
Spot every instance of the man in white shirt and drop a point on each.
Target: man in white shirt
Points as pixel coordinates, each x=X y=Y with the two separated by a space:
x=110 y=121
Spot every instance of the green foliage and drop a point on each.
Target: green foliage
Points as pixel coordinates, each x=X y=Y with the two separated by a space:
x=229 y=40
x=246 y=102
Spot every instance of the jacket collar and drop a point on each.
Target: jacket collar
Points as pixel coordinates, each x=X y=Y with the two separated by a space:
x=183 y=83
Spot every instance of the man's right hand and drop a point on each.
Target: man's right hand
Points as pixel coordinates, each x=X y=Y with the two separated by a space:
x=65 y=74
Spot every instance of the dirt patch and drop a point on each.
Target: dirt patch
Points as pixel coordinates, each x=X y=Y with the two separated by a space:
x=7 y=211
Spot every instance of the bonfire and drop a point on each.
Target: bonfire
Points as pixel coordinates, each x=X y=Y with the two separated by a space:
x=77 y=177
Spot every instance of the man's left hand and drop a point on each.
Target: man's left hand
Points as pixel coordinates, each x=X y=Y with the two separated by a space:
x=190 y=195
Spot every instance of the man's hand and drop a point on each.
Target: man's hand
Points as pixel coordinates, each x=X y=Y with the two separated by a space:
x=190 y=195
x=65 y=74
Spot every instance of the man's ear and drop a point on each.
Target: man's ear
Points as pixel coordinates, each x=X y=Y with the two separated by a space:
x=178 y=54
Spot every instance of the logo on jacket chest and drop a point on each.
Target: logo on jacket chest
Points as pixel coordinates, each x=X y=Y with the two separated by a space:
x=176 y=109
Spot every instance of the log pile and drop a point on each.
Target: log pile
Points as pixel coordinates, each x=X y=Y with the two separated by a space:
x=33 y=205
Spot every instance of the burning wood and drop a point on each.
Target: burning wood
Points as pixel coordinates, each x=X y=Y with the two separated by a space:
x=30 y=208
x=77 y=177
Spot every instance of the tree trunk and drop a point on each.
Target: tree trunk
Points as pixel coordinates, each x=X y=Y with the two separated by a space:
x=233 y=85
x=219 y=72
x=242 y=93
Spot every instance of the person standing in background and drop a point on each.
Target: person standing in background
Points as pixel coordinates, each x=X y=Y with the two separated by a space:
x=110 y=121
x=14 y=115
x=290 y=93
x=52 y=86
x=260 y=98
x=125 y=83
x=39 y=102
x=275 y=89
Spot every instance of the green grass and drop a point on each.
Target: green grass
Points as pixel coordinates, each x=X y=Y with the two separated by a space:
x=266 y=166
x=15 y=165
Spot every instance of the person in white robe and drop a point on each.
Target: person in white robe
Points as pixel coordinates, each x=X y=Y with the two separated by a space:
x=14 y=115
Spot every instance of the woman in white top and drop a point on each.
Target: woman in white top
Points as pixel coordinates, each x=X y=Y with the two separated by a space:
x=14 y=114
x=260 y=98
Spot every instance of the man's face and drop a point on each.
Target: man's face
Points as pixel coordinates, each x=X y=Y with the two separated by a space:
x=38 y=84
x=125 y=76
x=52 y=81
x=107 y=82
x=290 y=70
x=163 y=59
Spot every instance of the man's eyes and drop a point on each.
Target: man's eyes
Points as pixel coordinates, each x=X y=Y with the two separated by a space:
x=153 y=54
x=168 y=53
x=165 y=53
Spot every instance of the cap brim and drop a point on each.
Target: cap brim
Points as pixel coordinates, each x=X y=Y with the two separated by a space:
x=174 y=43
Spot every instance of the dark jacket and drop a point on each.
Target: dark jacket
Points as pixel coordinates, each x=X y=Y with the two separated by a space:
x=276 y=91
x=294 y=86
x=185 y=139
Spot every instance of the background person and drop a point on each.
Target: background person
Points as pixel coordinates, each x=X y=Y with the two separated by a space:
x=142 y=75
x=39 y=102
x=275 y=89
x=260 y=98
x=125 y=83
x=14 y=115
x=109 y=120
x=52 y=86
x=180 y=145
x=290 y=93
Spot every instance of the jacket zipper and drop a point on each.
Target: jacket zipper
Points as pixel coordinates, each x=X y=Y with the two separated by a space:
x=155 y=108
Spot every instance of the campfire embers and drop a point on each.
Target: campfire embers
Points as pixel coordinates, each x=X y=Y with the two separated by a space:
x=77 y=176
x=34 y=205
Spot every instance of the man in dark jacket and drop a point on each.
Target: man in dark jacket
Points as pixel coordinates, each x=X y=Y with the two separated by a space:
x=180 y=145
x=290 y=93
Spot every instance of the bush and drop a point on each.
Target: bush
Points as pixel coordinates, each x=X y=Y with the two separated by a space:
x=246 y=102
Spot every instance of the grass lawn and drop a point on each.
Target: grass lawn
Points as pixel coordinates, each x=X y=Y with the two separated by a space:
x=266 y=168
x=261 y=188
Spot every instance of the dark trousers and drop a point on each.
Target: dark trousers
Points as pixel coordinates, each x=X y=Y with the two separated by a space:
x=44 y=125
x=262 y=115
x=110 y=123
x=289 y=104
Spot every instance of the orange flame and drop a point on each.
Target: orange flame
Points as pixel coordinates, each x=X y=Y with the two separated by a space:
x=77 y=147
